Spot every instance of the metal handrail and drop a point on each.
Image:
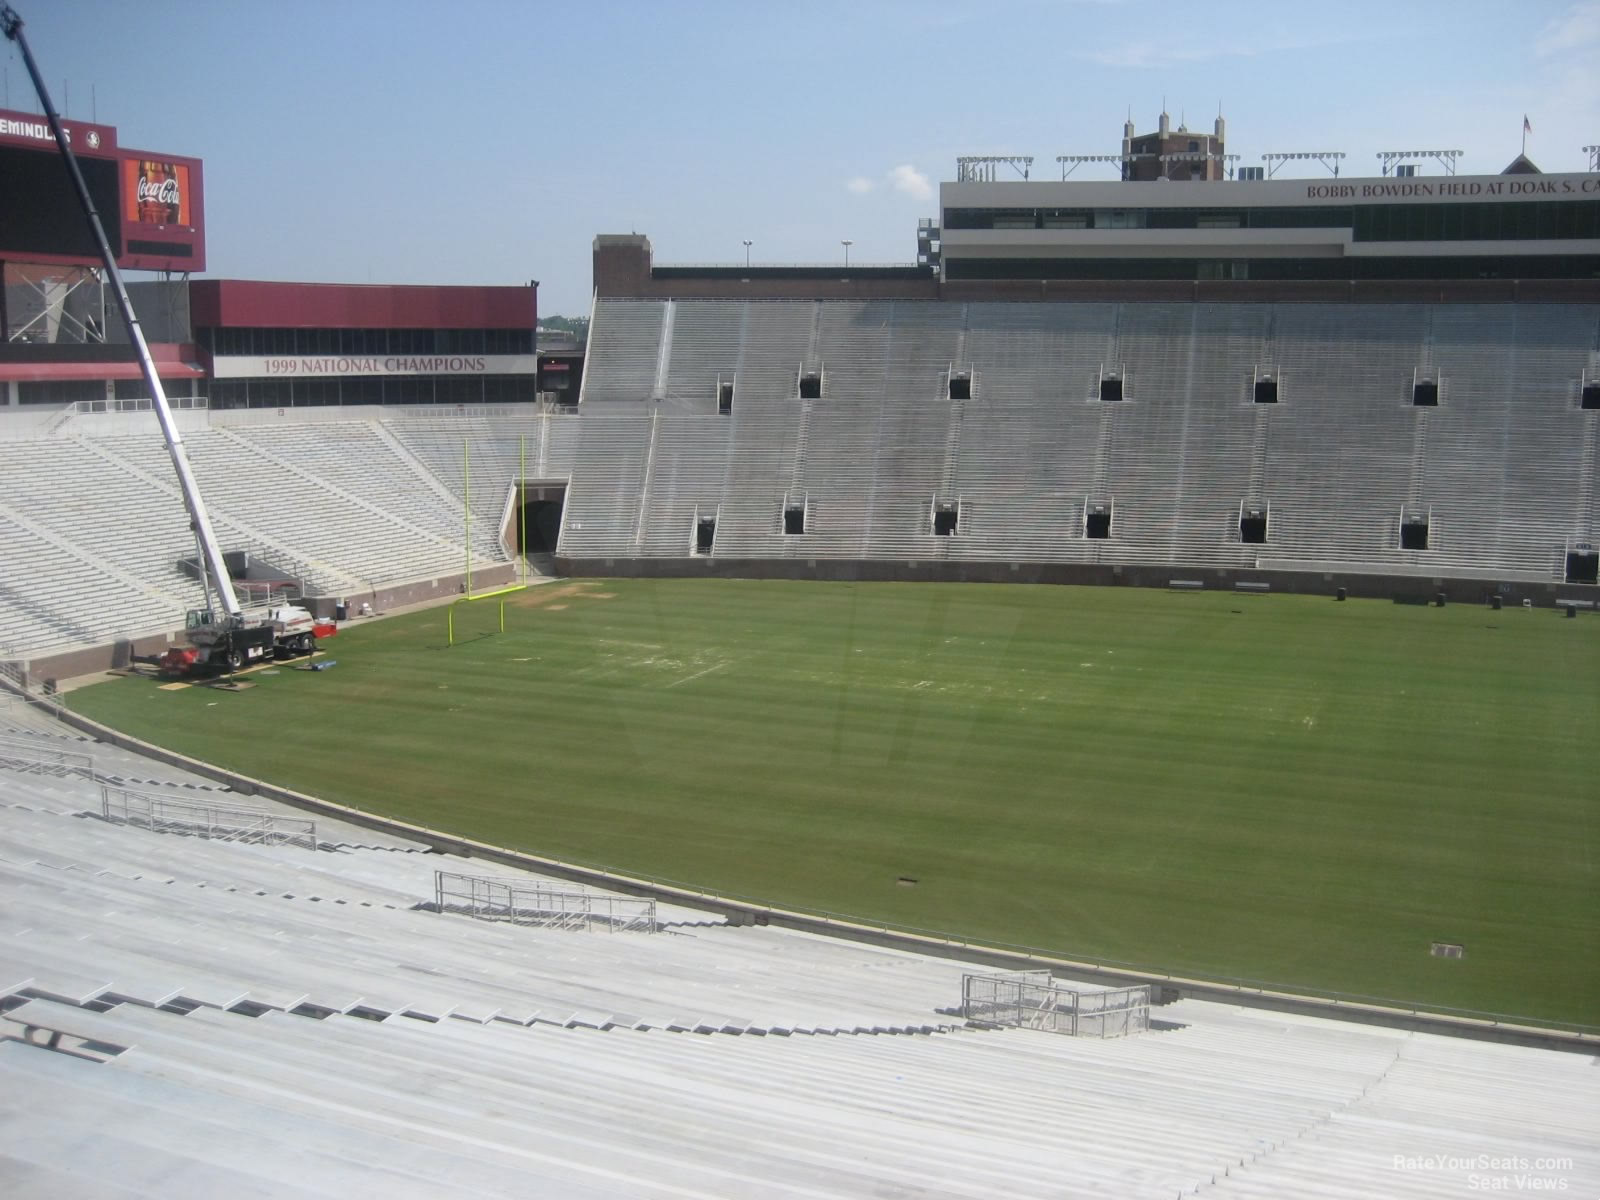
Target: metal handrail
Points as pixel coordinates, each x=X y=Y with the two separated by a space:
x=1023 y=1000
x=540 y=904
x=30 y=757
x=138 y=404
x=164 y=814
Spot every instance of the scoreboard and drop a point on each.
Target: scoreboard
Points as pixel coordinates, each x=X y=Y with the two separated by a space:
x=152 y=205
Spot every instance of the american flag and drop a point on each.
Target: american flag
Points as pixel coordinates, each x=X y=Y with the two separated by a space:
x=1526 y=128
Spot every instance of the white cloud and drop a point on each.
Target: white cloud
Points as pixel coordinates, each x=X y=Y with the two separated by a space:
x=906 y=178
x=1575 y=29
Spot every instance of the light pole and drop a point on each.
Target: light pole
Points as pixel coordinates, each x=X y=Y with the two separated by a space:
x=846 y=243
x=747 y=253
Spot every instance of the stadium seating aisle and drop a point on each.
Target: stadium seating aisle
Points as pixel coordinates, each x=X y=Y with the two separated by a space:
x=354 y=459
x=603 y=504
x=1505 y=442
x=321 y=520
x=1225 y=346
x=914 y=415
x=477 y=458
x=685 y=467
x=705 y=351
x=1026 y=442
x=623 y=355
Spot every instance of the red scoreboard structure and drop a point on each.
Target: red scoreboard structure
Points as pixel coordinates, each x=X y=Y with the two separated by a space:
x=217 y=343
x=152 y=204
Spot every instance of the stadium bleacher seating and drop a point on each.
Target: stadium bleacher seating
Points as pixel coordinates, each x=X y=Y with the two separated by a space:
x=179 y=1016
x=1503 y=468
x=97 y=525
x=1500 y=465
x=258 y=1018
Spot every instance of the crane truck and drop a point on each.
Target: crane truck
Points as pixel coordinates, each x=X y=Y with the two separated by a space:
x=220 y=635
x=285 y=631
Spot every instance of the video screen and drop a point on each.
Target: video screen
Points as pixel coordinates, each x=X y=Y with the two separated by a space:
x=42 y=214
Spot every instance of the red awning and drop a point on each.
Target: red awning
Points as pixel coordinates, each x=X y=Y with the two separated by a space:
x=37 y=372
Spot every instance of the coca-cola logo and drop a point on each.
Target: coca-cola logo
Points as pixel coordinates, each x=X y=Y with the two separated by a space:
x=162 y=191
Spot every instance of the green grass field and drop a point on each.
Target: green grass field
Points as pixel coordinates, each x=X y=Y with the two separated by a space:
x=1274 y=788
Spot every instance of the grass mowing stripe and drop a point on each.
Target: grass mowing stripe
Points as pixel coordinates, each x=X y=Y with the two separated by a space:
x=1277 y=788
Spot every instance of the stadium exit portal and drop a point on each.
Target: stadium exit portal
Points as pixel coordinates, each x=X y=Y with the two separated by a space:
x=538 y=508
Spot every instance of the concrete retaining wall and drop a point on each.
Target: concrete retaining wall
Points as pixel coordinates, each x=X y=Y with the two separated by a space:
x=1543 y=593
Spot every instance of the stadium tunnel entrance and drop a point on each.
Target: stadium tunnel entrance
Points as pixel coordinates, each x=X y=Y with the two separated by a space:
x=533 y=516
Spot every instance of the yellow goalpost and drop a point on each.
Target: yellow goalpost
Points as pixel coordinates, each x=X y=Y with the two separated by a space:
x=498 y=593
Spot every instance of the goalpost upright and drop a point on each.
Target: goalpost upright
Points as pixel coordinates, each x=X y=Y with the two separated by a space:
x=499 y=593
x=522 y=508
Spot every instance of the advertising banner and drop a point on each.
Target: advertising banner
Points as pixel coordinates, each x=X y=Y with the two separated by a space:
x=323 y=366
x=162 y=211
x=156 y=192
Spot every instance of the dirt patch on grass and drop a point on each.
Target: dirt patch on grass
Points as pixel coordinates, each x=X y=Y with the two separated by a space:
x=541 y=597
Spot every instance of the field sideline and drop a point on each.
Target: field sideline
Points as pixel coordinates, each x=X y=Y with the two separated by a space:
x=1275 y=788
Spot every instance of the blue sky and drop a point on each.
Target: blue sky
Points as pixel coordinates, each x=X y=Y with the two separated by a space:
x=486 y=142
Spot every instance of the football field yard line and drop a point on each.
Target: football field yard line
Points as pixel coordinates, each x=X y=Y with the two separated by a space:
x=690 y=678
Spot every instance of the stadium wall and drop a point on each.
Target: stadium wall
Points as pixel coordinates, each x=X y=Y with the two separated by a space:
x=1405 y=589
